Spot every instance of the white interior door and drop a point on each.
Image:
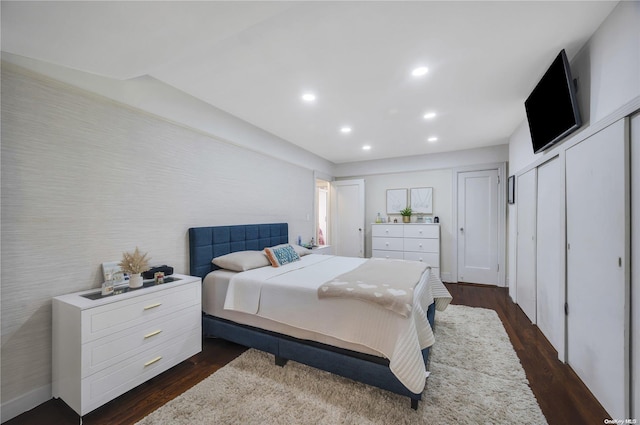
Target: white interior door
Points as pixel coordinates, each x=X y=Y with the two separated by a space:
x=347 y=217
x=550 y=287
x=597 y=271
x=526 y=243
x=478 y=227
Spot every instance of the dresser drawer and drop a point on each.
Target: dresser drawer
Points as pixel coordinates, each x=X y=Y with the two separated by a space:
x=398 y=255
x=120 y=346
x=390 y=230
x=104 y=320
x=421 y=245
x=387 y=244
x=421 y=231
x=430 y=258
x=111 y=382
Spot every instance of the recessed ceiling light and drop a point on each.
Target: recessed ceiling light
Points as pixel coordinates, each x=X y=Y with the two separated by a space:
x=429 y=115
x=366 y=148
x=345 y=129
x=420 y=71
x=308 y=97
x=432 y=139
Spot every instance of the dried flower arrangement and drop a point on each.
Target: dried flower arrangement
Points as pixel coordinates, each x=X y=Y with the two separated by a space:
x=134 y=263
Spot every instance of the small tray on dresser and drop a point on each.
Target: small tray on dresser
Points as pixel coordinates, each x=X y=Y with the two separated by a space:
x=124 y=288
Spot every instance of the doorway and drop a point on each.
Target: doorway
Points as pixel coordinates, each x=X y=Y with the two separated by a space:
x=322 y=223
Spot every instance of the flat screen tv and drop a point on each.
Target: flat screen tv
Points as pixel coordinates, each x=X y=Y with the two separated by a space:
x=552 y=109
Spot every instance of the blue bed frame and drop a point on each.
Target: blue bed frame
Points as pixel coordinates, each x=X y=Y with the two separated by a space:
x=205 y=243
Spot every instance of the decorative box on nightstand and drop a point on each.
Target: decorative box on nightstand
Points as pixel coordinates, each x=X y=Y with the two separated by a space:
x=105 y=346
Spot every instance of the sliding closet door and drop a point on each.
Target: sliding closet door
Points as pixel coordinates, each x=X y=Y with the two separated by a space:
x=597 y=196
x=550 y=288
x=635 y=263
x=526 y=243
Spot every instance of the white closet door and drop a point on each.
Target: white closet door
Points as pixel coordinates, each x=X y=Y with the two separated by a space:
x=635 y=263
x=526 y=243
x=550 y=287
x=597 y=189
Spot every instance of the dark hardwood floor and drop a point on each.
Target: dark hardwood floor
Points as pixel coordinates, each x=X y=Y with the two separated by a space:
x=562 y=396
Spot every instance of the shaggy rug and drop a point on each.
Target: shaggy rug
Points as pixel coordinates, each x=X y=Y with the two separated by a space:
x=476 y=378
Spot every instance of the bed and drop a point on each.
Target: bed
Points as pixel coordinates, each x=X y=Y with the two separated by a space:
x=349 y=352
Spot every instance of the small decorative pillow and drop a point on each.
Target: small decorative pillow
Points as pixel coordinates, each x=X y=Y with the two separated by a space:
x=281 y=254
x=301 y=251
x=242 y=261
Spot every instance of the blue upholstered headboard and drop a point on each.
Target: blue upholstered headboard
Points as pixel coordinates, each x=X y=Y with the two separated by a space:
x=206 y=243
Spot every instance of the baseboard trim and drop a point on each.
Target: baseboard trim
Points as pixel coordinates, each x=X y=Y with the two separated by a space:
x=25 y=402
x=446 y=277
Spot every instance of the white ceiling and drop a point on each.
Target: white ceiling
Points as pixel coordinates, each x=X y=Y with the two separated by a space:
x=255 y=60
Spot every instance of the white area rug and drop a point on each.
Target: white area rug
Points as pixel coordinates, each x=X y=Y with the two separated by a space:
x=476 y=378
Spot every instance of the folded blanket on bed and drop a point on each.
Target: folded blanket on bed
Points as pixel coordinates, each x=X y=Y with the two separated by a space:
x=389 y=283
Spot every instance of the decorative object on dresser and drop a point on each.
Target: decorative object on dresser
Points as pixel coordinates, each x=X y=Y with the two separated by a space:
x=103 y=346
x=406 y=215
x=134 y=264
x=415 y=241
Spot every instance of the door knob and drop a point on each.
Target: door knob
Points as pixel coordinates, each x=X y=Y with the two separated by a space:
x=462 y=229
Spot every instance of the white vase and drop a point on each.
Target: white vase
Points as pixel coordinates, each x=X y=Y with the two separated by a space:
x=135 y=281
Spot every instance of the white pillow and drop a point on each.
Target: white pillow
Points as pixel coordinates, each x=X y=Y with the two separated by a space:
x=242 y=261
x=301 y=251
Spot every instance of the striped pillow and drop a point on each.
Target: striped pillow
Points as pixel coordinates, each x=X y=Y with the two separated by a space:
x=281 y=254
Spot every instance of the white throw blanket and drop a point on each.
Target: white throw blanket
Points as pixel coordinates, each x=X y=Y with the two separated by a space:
x=389 y=283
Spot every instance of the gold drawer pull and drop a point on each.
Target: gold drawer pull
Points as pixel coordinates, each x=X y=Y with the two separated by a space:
x=150 y=362
x=149 y=307
x=149 y=335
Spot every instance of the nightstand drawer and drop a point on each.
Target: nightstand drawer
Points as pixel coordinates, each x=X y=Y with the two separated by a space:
x=394 y=231
x=421 y=231
x=111 y=382
x=387 y=244
x=101 y=321
x=422 y=245
x=116 y=348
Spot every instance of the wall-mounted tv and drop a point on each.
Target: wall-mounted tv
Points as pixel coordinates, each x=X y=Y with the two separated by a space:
x=552 y=109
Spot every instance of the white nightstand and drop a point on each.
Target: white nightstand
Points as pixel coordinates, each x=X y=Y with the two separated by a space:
x=322 y=250
x=105 y=346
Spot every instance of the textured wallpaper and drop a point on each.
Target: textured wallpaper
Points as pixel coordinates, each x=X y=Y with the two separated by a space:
x=85 y=178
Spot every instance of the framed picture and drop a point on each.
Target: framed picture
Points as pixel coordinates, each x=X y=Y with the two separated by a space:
x=422 y=200
x=512 y=189
x=396 y=200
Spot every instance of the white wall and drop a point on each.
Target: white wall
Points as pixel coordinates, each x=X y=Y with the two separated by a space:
x=434 y=171
x=84 y=179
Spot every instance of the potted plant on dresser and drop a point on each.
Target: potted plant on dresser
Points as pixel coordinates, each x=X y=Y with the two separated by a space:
x=134 y=264
x=406 y=215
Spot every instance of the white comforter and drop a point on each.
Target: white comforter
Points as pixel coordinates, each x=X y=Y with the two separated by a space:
x=288 y=294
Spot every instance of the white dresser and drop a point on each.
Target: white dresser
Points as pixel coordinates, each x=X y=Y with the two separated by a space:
x=415 y=241
x=106 y=346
